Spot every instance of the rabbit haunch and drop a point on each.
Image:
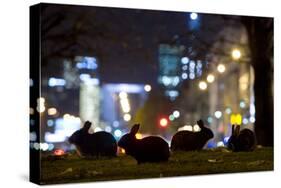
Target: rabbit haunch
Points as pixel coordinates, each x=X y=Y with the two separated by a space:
x=148 y=149
x=96 y=144
x=244 y=140
x=189 y=141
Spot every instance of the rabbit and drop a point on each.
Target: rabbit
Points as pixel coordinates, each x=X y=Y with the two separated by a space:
x=244 y=140
x=97 y=144
x=190 y=141
x=148 y=149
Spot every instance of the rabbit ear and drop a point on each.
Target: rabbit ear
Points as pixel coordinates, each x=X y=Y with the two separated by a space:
x=237 y=130
x=232 y=129
x=87 y=125
x=135 y=129
x=200 y=123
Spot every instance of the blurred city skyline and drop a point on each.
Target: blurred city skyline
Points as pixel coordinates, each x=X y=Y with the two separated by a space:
x=162 y=69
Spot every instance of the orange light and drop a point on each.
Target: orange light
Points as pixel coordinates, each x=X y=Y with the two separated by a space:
x=59 y=152
x=163 y=122
x=138 y=136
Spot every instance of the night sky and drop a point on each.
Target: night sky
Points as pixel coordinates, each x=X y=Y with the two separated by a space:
x=125 y=41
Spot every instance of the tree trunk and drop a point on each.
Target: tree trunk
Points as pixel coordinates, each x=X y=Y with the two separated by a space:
x=260 y=35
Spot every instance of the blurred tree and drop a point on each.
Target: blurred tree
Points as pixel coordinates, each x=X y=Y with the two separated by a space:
x=258 y=48
x=260 y=36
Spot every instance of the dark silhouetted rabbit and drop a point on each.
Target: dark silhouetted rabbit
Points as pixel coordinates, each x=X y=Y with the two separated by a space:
x=244 y=140
x=148 y=149
x=190 y=141
x=96 y=144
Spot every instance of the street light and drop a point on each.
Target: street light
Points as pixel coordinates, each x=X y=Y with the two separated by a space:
x=127 y=117
x=147 y=88
x=193 y=16
x=221 y=68
x=236 y=54
x=202 y=85
x=210 y=78
x=163 y=122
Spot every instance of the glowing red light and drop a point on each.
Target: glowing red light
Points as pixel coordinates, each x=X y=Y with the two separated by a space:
x=163 y=122
x=59 y=152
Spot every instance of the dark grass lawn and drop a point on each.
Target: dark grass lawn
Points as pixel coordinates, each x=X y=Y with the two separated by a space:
x=74 y=169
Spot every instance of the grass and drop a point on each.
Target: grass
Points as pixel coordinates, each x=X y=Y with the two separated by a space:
x=73 y=169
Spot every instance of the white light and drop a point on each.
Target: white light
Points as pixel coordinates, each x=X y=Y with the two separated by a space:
x=199 y=64
x=220 y=144
x=184 y=76
x=185 y=67
x=52 y=111
x=127 y=117
x=236 y=54
x=44 y=146
x=147 y=88
x=226 y=139
x=166 y=80
x=185 y=128
x=203 y=85
x=184 y=60
x=252 y=109
x=218 y=114
x=172 y=93
x=176 y=81
x=245 y=121
x=92 y=81
x=117 y=133
x=115 y=124
x=66 y=116
x=97 y=129
x=124 y=102
x=40 y=105
x=84 y=77
x=193 y=16
x=36 y=146
x=196 y=128
x=87 y=63
x=176 y=114
x=242 y=104
x=123 y=95
x=221 y=68
x=210 y=78
x=191 y=76
x=108 y=129
x=56 y=82
x=125 y=105
x=252 y=119
x=228 y=110
x=50 y=123
x=192 y=65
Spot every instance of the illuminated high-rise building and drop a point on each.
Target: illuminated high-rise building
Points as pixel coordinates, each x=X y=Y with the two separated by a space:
x=174 y=68
x=89 y=94
x=169 y=68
